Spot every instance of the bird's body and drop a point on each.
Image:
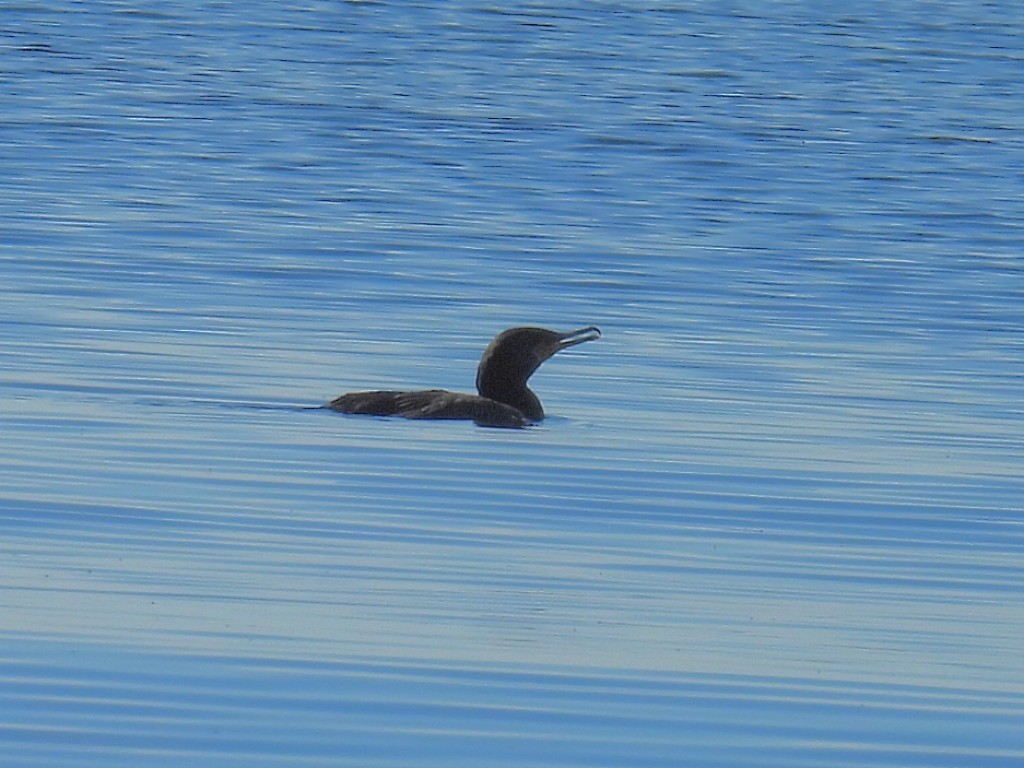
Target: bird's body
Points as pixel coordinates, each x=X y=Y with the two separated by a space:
x=430 y=404
x=504 y=400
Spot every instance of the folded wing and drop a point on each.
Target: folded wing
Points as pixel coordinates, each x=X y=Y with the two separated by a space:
x=430 y=404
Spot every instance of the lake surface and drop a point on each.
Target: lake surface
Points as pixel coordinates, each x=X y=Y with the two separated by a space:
x=775 y=516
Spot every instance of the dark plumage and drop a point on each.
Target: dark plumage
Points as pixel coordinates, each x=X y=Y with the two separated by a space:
x=504 y=399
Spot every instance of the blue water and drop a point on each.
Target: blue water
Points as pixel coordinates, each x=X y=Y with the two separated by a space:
x=775 y=515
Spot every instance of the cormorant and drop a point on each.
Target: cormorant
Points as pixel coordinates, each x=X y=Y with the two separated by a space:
x=504 y=399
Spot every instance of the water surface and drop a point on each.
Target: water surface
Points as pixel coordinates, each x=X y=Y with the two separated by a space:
x=774 y=516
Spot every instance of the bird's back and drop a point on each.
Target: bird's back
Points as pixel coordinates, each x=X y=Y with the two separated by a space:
x=430 y=404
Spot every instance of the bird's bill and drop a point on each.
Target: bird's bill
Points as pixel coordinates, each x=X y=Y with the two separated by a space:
x=572 y=338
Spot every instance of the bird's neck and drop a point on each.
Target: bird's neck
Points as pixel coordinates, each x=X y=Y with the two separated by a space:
x=519 y=396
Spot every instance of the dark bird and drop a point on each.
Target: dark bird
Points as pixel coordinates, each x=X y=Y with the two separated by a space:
x=504 y=399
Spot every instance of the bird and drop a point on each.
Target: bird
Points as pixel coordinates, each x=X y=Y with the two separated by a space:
x=503 y=399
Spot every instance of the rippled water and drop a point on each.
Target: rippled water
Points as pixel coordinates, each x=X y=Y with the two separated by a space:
x=775 y=515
